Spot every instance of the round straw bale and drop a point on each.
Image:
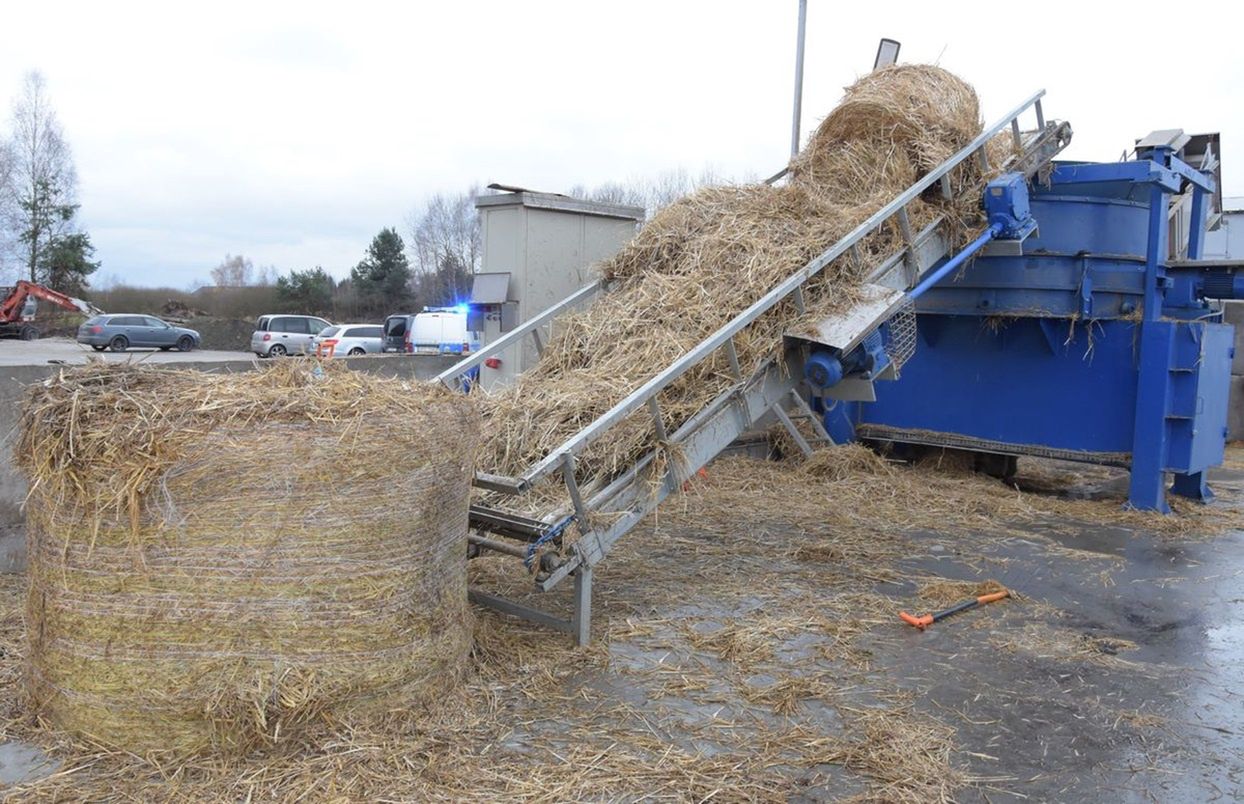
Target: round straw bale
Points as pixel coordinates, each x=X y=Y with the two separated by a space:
x=219 y=560
x=926 y=111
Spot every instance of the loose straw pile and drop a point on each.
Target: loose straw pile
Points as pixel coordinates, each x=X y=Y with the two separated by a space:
x=217 y=561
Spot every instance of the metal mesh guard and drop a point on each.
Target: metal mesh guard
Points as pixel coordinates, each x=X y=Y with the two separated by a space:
x=900 y=343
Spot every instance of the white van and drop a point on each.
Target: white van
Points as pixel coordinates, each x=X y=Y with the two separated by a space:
x=432 y=332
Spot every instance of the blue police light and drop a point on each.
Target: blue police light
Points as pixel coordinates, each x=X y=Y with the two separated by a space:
x=462 y=308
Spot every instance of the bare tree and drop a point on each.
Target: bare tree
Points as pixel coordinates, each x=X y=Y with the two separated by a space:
x=8 y=213
x=445 y=230
x=631 y=194
x=445 y=243
x=233 y=272
x=266 y=275
x=41 y=190
x=650 y=193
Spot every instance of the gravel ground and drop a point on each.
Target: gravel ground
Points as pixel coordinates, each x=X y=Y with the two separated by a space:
x=27 y=353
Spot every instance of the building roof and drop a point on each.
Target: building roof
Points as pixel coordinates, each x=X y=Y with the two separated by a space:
x=518 y=196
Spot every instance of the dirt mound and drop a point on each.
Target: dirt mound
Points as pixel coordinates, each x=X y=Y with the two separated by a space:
x=226 y=334
x=179 y=310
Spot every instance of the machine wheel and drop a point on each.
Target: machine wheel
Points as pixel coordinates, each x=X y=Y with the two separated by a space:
x=277 y=350
x=185 y=343
x=356 y=351
x=119 y=343
x=28 y=333
x=98 y=348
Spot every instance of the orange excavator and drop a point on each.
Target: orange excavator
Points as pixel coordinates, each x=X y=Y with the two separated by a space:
x=18 y=305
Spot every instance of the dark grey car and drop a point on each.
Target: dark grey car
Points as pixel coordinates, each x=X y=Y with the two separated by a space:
x=119 y=332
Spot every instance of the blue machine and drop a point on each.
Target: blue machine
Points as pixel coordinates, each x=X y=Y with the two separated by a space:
x=1080 y=338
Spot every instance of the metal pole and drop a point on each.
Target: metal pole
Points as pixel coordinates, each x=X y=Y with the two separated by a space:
x=794 y=131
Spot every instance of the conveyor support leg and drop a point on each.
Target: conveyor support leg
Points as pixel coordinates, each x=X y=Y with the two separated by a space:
x=583 y=605
x=1193 y=487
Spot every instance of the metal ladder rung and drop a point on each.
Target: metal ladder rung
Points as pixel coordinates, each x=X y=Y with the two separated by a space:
x=800 y=441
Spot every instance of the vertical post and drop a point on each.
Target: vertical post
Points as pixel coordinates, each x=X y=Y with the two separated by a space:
x=1147 y=485
x=658 y=423
x=1196 y=228
x=1157 y=248
x=794 y=132
x=732 y=355
x=1147 y=488
x=800 y=304
x=572 y=486
x=583 y=605
x=909 y=239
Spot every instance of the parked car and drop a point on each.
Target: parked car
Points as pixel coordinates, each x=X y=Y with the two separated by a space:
x=349 y=340
x=395 y=329
x=280 y=335
x=121 y=331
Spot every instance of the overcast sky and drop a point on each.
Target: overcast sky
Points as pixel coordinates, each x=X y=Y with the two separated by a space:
x=292 y=133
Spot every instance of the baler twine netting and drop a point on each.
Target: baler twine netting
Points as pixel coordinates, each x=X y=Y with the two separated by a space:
x=217 y=560
x=704 y=259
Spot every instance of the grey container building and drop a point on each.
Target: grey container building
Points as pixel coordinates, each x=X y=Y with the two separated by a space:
x=538 y=248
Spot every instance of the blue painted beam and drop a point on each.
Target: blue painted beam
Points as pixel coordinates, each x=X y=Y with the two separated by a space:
x=1142 y=172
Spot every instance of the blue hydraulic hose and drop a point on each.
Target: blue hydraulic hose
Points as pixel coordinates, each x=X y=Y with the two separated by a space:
x=954 y=262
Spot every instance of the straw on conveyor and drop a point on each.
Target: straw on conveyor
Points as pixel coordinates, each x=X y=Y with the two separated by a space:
x=704 y=259
x=217 y=560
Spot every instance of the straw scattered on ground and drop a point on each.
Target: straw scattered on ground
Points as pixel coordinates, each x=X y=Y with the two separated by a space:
x=940 y=493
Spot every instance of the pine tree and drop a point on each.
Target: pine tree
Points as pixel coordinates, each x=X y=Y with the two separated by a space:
x=382 y=278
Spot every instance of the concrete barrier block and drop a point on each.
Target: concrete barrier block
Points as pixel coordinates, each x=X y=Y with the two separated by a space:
x=12 y=549
x=1233 y=314
x=1235 y=410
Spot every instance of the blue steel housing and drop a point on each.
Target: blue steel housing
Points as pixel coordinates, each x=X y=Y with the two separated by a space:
x=1089 y=345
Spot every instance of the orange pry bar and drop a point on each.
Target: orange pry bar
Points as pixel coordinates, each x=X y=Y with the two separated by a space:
x=925 y=620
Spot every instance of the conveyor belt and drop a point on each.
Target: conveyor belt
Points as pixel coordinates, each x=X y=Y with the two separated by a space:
x=603 y=515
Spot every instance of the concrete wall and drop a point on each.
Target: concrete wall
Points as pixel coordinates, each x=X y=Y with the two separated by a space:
x=1233 y=313
x=1227 y=241
x=15 y=379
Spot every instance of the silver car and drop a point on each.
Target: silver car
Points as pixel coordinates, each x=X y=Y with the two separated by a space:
x=119 y=332
x=280 y=335
x=350 y=340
